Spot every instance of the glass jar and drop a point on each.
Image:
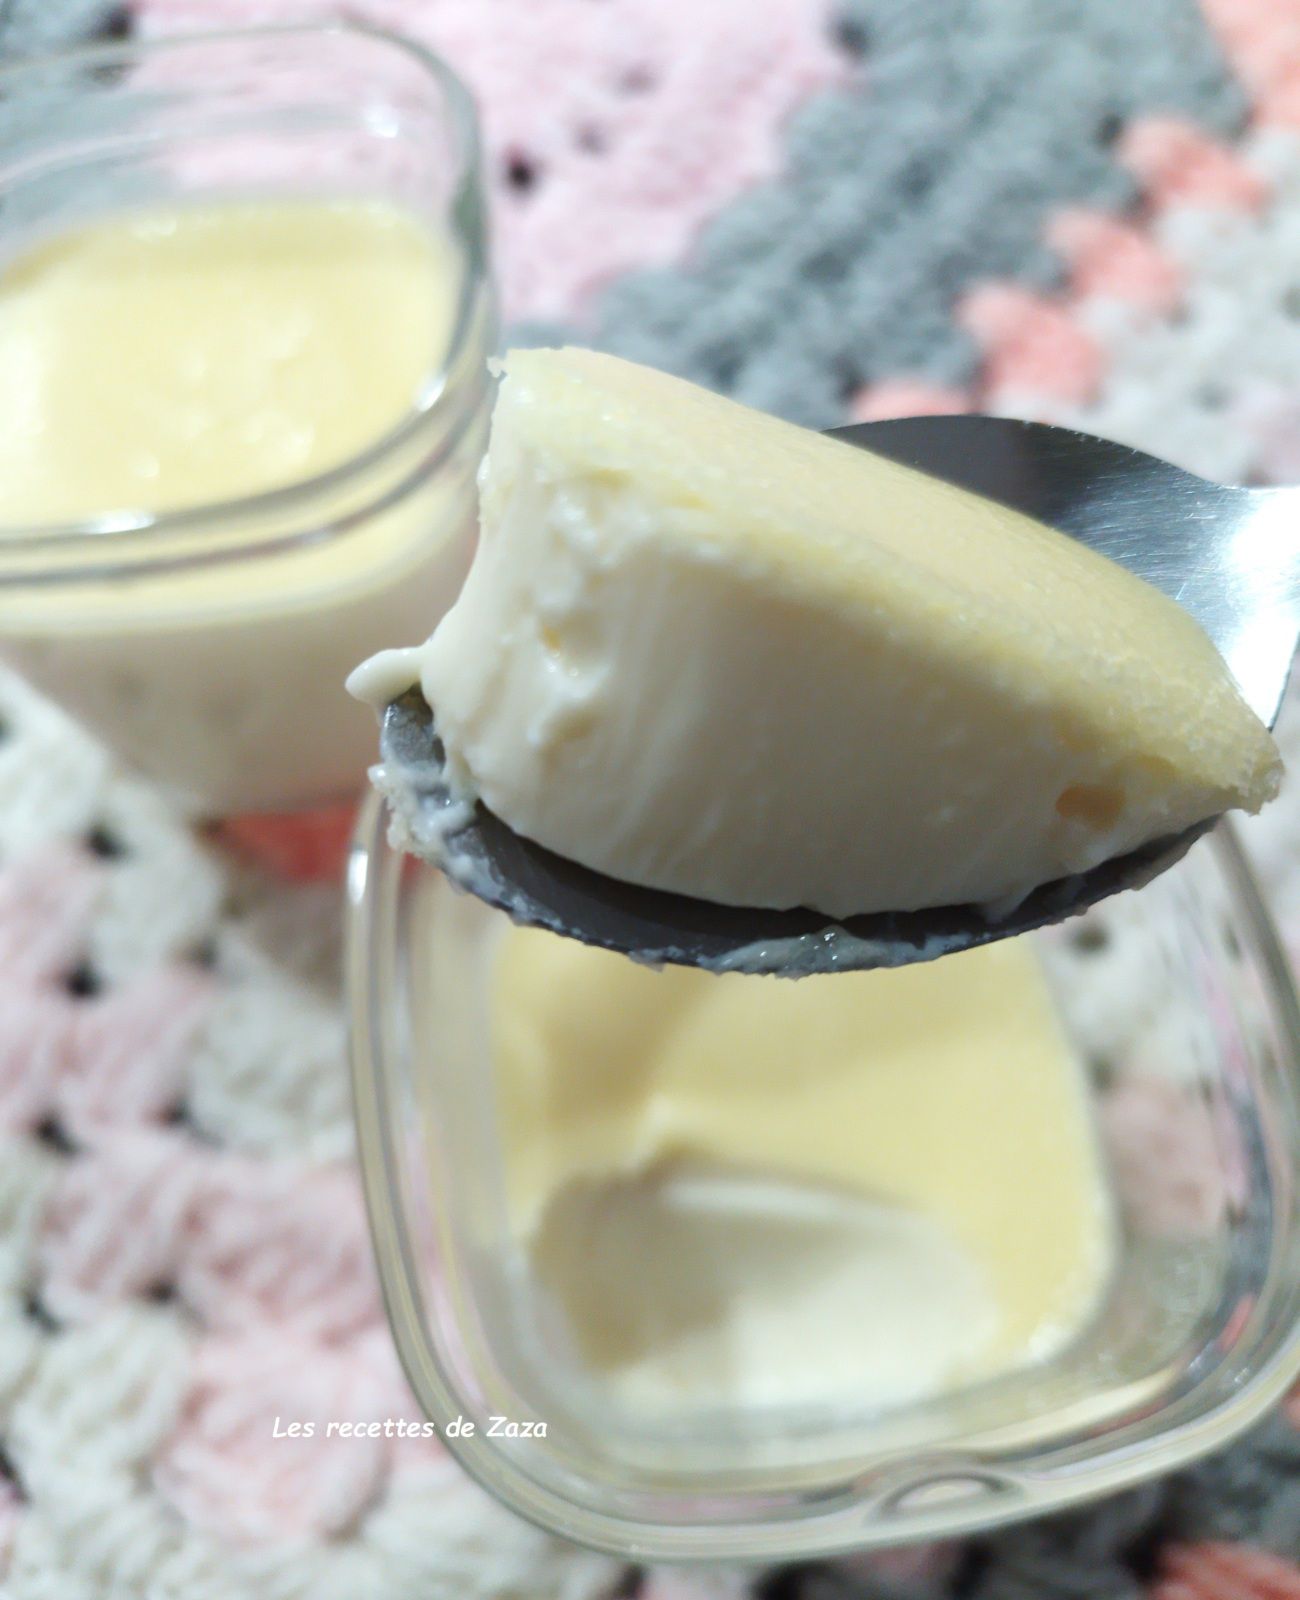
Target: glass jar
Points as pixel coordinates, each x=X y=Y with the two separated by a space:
x=1179 y=1001
x=208 y=645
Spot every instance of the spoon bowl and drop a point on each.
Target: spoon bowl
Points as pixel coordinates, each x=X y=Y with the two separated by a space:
x=539 y=888
x=1230 y=556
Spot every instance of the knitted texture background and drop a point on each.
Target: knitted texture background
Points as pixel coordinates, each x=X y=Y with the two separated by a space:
x=1086 y=212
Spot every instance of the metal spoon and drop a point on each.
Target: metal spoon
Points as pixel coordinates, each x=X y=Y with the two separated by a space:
x=1230 y=556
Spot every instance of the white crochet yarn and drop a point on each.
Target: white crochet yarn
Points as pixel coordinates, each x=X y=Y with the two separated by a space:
x=267 y=1073
x=27 y=1175
x=85 y=1410
x=1170 y=382
x=53 y=778
x=102 y=1397
x=163 y=895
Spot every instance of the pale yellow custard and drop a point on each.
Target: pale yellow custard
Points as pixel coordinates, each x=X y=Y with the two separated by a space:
x=178 y=358
x=182 y=358
x=706 y=651
x=870 y=1188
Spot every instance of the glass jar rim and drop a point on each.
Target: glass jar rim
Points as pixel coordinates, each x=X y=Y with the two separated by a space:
x=98 y=536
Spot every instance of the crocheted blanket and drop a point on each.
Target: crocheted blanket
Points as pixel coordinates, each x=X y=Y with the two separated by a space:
x=1088 y=213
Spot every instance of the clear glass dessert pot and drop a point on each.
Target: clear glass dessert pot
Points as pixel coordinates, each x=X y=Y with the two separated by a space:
x=209 y=645
x=1180 y=1002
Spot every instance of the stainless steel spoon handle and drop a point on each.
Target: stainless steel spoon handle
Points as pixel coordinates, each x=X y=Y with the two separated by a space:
x=1229 y=556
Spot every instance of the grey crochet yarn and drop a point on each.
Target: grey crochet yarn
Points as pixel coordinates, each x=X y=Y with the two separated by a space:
x=1081 y=1555
x=63 y=99
x=972 y=120
x=822 y=1581
x=1250 y=1491
x=28 y=27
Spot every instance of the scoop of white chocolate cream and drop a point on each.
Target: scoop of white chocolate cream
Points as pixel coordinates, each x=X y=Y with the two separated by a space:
x=703 y=650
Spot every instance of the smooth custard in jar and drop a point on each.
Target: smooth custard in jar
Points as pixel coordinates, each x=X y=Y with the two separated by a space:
x=747 y=1194
x=237 y=450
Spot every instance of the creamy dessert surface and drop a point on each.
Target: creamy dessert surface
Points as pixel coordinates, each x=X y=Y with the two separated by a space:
x=166 y=360
x=712 y=1177
x=194 y=354
x=703 y=650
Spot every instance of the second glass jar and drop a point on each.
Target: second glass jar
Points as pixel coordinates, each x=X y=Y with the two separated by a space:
x=208 y=645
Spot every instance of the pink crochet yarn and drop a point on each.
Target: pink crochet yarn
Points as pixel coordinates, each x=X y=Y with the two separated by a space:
x=1262 y=37
x=932 y=1562
x=35 y=1048
x=651 y=119
x=226 y=1470
x=1066 y=356
x=1167 y=1157
x=118 y=1220
x=908 y=397
x=242 y=1243
x=304 y=847
x=254 y=1457
x=92 y=1062
x=45 y=900
x=1271 y=415
x=1178 y=164
x=1114 y=259
x=1031 y=344
x=275 y=1245
x=1220 y=1571
x=128 y=1048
